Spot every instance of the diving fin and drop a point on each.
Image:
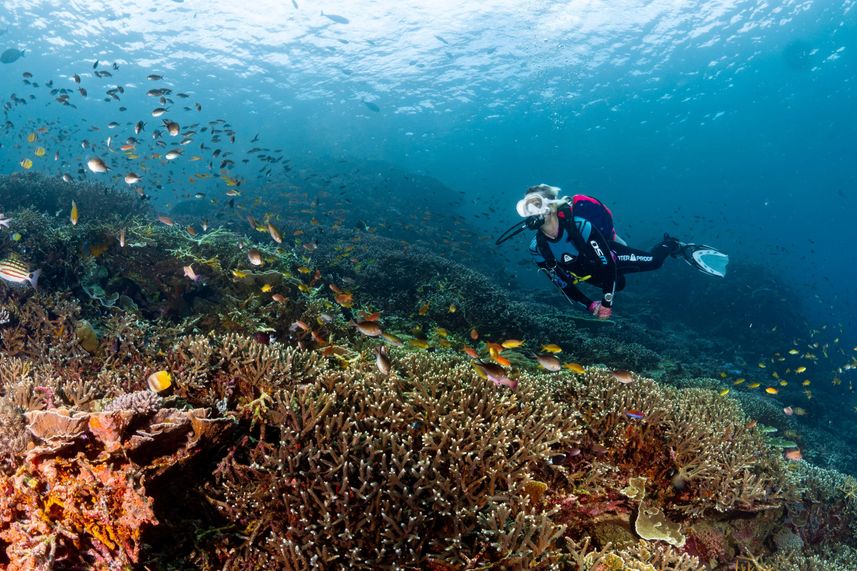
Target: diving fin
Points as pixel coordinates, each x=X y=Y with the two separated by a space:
x=706 y=259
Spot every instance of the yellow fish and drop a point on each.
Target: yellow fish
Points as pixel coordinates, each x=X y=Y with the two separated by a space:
x=724 y=392
x=74 y=213
x=31 y=138
x=771 y=390
x=800 y=369
x=40 y=152
x=304 y=270
x=739 y=381
x=159 y=381
x=441 y=332
x=27 y=163
x=806 y=382
x=266 y=288
x=512 y=343
x=239 y=274
x=552 y=348
x=754 y=385
x=793 y=352
x=576 y=368
x=418 y=343
x=452 y=308
x=762 y=365
x=784 y=383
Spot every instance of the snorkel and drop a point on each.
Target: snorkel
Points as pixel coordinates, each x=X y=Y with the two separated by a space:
x=538 y=203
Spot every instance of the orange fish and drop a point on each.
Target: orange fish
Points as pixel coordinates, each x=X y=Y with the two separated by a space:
x=165 y=220
x=474 y=335
x=334 y=288
x=344 y=299
x=372 y=316
x=423 y=309
x=793 y=455
x=471 y=352
x=500 y=360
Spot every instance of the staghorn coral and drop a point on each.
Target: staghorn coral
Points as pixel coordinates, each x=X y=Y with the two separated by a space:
x=364 y=466
x=140 y=402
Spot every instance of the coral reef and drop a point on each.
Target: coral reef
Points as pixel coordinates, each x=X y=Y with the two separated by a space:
x=281 y=444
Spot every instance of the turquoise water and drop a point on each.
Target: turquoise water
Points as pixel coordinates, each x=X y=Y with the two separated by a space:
x=728 y=123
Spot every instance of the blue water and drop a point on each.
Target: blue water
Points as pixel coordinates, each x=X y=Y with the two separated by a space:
x=732 y=123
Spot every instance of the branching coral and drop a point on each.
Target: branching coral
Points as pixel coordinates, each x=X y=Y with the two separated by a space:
x=364 y=466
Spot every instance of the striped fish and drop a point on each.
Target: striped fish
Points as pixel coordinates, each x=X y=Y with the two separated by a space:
x=17 y=272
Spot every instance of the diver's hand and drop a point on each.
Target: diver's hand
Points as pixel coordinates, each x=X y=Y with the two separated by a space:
x=600 y=311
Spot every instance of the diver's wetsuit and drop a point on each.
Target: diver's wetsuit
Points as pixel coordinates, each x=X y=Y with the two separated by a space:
x=580 y=252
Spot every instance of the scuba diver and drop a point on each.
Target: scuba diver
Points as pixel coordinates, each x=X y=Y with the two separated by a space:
x=576 y=242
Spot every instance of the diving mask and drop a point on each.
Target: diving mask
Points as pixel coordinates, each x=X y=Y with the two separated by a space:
x=536 y=204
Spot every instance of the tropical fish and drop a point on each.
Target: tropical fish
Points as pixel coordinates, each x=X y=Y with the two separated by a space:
x=549 y=362
x=27 y=163
x=159 y=381
x=392 y=339
x=368 y=328
x=74 y=213
x=266 y=288
x=418 y=343
x=12 y=55
x=552 y=348
x=800 y=369
x=793 y=455
x=624 y=377
x=191 y=274
x=163 y=219
x=576 y=368
x=279 y=298
x=382 y=361
x=452 y=308
x=494 y=373
x=255 y=256
x=40 y=151
x=724 y=392
x=772 y=390
x=635 y=414
x=122 y=238
x=423 y=309
x=16 y=271
x=470 y=352
x=172 y=155
x=131 y=178
x=96 y=165
x=511 y=343
x=754 y=385
x=275 y=233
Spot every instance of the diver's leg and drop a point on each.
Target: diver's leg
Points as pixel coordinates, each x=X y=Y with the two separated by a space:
x=631 y=260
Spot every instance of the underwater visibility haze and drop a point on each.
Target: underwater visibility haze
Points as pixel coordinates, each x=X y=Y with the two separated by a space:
x=253 y=314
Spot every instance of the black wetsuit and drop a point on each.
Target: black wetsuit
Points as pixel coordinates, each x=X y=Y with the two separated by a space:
x=580 y=252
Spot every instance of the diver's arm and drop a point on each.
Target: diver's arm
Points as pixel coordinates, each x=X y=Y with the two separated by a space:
x=566 y=284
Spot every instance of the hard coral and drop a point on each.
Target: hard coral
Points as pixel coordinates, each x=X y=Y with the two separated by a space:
x=363 y=470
